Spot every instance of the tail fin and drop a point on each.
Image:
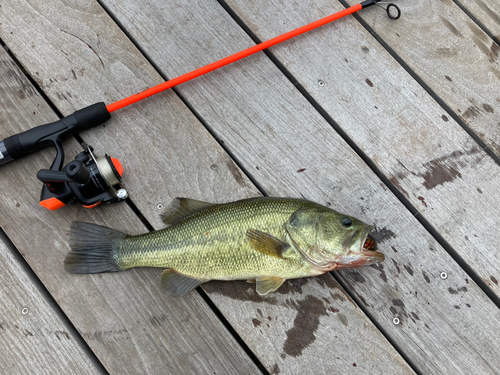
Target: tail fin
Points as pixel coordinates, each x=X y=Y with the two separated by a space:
x=93 y=249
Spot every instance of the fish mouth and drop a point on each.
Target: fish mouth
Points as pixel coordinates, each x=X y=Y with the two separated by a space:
x=361 y=250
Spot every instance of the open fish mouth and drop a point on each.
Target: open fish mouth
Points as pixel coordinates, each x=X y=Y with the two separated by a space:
x=361 y=250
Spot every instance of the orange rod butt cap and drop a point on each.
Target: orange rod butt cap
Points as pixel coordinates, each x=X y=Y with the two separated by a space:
x=52 y=204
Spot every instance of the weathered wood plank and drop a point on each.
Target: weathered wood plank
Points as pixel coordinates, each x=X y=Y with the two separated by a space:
x=199 y=169
x=126 y=320
x=444 y=62
x=291 y=150
x=485 y=11
x=33 y=340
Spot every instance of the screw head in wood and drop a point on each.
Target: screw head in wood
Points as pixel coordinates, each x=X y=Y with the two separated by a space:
x=444 y=275
x=24 y=311
x=396 y=321
x=321 y=83
x=159 y=206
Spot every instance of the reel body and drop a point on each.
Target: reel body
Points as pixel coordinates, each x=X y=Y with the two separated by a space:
x=87 y=180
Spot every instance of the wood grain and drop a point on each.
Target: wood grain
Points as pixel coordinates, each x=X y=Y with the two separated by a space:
x=125 y=319
x=485 y=11
x=165 y=152
x=289 y=149
x=32 y=337
x=460 y=63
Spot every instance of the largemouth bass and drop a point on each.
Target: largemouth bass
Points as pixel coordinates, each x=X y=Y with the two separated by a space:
x=264 y=240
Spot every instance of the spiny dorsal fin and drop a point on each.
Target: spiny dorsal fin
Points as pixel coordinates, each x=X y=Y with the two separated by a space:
x=267 y=284
x=176 y=284
x=180 y=208
x=266 y=244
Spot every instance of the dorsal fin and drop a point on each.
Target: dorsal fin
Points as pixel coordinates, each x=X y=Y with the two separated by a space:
x=180 y=208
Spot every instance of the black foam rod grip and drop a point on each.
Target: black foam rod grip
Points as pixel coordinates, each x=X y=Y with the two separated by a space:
x=34 y=139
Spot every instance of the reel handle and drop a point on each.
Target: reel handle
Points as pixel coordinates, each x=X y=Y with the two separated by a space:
x=73 y=172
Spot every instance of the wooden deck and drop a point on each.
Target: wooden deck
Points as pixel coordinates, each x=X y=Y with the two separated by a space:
x=394 y=122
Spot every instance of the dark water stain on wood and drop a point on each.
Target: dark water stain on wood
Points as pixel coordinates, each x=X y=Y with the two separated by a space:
x=62 y=333
x=397 y=184
x=396 y=265
x=457 y=307
x=452 y=291
x=409 y=270
x=158 y=320
x=445 y=168
x=492 y=278
x=337 y=296
x=381 y=235
x=448 y=78
x=398 y=302
x=27 y=333
x=357 y=277
x=235 y=171
x=470 y=113
x=488 y=108
x=422 y=199
x=369 y=83
x=239 y=290
x=415 y=316
x=343 y=319
x=451 y=27
x=380 y=268
x=426 y=278
x=445 y=118
x=305 y=324
x=256 y=322
x=275 y=369
x=438 y=173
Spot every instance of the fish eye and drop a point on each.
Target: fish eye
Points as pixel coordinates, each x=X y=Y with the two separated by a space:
x=346 y=222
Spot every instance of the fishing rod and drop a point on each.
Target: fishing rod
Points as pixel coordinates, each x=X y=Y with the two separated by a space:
x=91 y=180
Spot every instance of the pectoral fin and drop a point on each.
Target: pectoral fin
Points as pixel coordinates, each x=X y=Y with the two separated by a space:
x=176 y=284
x=266 y=244
x=267 y=284
x=180 y=208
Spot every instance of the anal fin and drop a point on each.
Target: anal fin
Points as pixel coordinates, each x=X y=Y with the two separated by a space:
x=175 y=284
x=268 y=284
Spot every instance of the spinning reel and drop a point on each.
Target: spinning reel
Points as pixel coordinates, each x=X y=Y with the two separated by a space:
x=88 y=179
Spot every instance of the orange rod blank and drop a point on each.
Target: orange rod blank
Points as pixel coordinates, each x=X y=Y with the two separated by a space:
x=230 y=59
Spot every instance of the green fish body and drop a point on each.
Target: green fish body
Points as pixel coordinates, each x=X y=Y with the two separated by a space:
x=266 y=240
